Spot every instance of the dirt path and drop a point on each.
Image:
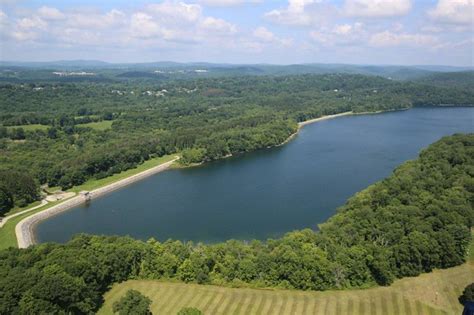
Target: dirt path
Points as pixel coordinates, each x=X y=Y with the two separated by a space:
x=24 y=229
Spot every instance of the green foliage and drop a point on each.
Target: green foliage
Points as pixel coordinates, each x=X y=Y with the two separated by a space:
x=120 y=125
x=52 y=278
x=133 y=303
x=416 y=220
x=467 y=295
x=16 y=188
x=190 y=311
x=194 y=155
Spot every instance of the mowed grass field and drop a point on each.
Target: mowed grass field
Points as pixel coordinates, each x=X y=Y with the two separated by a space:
x=31 y=127
x=99 y=125
x=433 y=293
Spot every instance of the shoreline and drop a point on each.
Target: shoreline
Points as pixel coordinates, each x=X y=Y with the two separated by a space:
x=24 y=230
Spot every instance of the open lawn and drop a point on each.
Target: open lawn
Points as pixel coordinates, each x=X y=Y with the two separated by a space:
x=99 y=125
x=7 y=232
x=96 y=183
x=30 y=127
x=432 y=294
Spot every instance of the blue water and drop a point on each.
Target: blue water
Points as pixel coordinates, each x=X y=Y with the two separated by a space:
x=266 y=193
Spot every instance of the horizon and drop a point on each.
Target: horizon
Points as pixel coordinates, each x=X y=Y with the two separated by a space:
x=53 y=62
x=280 y=32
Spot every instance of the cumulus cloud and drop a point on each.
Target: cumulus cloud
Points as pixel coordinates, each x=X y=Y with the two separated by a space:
x=453 y=11
x=293 y=14
x=95 y=20
x=142 y=25
x=377 y=8
x=342 y=34
x=219 y=26
x=228 y=3
x=3 y=17
x=390 y=39
x=172 y=12
x=49 y=13
x=264 y=35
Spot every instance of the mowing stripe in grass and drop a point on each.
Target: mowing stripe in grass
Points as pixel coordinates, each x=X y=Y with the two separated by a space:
x=301 y=304
x=258 y=304
x=294 y=302
x=184 y=297
x=280 y=304
x=270 y=305
x=337 y=307
x=242 y=303
x=362 y=306
x=331 y=305
x=217 y=302
x=451 y=296
x=304 y=306
x=321 y=308
x=384 y=305
x=373 y=306
x=229 y=298
x=192 y=298
x=239 y=297
x=287 y=303
x=215 y=296
x=395 y=303
x=419 y=308
x=172 y=298
x=350 y=306
x=250 y=303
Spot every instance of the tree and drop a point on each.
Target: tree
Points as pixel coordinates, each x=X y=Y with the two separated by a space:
x=133 y=303
x=467 y=294
x=6 y=200
x=190 y=311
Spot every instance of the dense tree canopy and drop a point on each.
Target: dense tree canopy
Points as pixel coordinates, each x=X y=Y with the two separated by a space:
x=206 y=118
x=16 y=188
x=417 y=219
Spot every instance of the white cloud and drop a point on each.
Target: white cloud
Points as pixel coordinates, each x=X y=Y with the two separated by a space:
x=293 y=14
x=342 y=34
x=266 y=36
x=377 y=8
x=218 y=26
x=172 y=12
x=32 y=23
x=228 y=3
x=95 y=20
x=390 y=39
x=3 y=17
x=49 y=13
x=142 y=25
x=453 y=11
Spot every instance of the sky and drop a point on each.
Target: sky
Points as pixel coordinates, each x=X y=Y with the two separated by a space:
x=395 y=32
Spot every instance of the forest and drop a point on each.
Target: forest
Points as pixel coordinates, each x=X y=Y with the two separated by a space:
x=417 y=219
x=49 y=130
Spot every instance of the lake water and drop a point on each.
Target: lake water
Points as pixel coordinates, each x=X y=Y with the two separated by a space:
x=266 y=193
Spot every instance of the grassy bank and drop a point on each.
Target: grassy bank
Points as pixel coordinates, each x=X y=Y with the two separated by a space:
x=433 y=293
x=97 y=183
x=7 y=232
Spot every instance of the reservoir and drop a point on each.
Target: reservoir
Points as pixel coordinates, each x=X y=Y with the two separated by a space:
x=266 y=193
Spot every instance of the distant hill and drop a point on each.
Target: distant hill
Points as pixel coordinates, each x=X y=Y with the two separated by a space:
x=11 y=71
x=449 y=79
